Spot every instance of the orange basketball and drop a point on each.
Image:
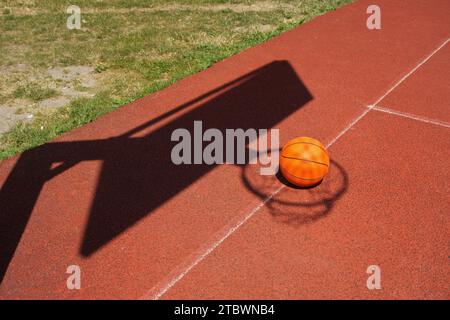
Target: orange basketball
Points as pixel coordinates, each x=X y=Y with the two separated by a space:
x=304 y=161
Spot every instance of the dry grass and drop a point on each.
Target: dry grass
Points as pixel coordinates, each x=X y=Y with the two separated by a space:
x=134 y=47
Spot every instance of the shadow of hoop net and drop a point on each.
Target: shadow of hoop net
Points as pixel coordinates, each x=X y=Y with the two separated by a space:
x=294 y=205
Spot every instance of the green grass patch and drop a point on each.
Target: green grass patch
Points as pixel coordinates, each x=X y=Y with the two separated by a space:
x=135 y=51
x=34 y=91
x=44 y=128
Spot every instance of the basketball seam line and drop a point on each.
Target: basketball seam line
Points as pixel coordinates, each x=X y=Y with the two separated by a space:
x=307 y=143
x=303 y=178
x=286 y=157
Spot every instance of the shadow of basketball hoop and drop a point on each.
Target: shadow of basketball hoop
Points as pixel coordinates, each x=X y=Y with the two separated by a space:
x=295 y=205
x=137 y=174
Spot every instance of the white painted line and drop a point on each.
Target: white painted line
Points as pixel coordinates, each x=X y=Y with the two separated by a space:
x=349 y=126
x=161 y=288
x=230 y=230
x=411 y=72
x=412 y=116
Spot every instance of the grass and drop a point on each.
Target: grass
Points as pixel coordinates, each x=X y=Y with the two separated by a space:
x=34 y=91
x=133 y=49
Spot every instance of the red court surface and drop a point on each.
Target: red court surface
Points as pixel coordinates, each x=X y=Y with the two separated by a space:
x=107 y=198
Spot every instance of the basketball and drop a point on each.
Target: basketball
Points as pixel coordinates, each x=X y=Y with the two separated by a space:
x=304 y=161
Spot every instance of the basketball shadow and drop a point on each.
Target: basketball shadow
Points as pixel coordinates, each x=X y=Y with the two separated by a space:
x=137 y=174
x=298 y=205
x=284 y=181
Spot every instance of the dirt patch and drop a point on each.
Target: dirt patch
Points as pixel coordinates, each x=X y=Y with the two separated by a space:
x=10 y=115
x=69 y=83
x=20 y=67
x=73 y=82
x=56 y=102
x=70 y=73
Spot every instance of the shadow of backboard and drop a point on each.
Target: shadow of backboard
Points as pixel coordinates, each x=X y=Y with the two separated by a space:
x=138 y=175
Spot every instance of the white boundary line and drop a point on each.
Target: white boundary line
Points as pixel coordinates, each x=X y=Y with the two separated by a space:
x=350 y=125
x=160 y=289
x=412 y=116
x=411 y=72
x=230 y=230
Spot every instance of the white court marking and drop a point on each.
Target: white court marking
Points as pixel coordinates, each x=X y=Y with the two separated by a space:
x=161 y=288
x=411 y=72
x=412 y=116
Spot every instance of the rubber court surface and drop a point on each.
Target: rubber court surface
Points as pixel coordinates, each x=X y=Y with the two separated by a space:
x=107 y=198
